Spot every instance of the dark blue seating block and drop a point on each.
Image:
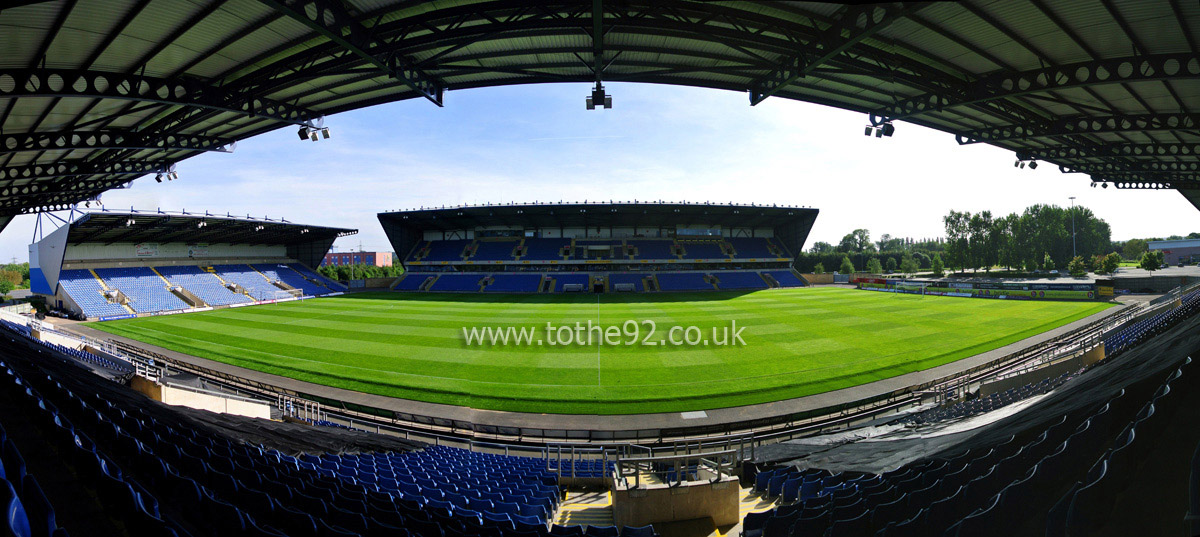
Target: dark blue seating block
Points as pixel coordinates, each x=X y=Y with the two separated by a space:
x=602 y=531
x=16 y=523
x=38 y=508
x=14 y=465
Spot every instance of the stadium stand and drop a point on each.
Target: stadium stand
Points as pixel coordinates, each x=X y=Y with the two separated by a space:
x=544 y=249
x=740 y=280
x=614 y=251
x=284 y=273
x=750 y=247
x=78 y=354
x=204 y=285
x=494 y=251
x=703 y=250
x=627 y=278
x=654 y=249
x=786 y=278
x=255 y=284
x=683 y=281
x=411 y=281
x=147 y=292
x=514 y=283
x=1151 y=326
x=163 y=477
x=561 y=279
x=448 y=250
x=85 y=290
x=313 y=275
x=1094 y=469
x=457 y=282
x=986 y=404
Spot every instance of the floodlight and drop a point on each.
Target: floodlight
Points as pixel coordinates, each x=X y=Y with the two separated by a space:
x=867 y=130
x=312 y=135
x=325 y=133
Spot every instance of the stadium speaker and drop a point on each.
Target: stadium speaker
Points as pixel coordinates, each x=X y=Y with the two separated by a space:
x=303 y=133
x=888 y=129
x=1033 y=164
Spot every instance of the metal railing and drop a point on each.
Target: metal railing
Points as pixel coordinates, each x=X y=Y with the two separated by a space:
x=674 y=470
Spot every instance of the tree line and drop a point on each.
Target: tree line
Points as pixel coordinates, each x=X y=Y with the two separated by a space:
x=1042 y=237
x=359 y=271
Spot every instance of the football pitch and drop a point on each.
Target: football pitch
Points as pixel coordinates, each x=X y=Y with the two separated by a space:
x=797 y=342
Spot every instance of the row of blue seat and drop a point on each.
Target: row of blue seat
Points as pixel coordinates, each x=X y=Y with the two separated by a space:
x=27 y=511
x=1006 y=489
x=77 y=354
x=239 y=489
x=1146 y=328
x=547 y=249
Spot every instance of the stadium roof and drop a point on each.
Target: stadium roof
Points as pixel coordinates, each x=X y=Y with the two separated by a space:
x=609 y=214
x=136 y=227
x=94 y=93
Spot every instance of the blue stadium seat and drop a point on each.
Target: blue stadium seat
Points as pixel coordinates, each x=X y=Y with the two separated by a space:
x=683 y=281
x=739 y=280
x=786 y=278
x=457 y=282
x=16 y=521
x=204 y=285
x=87 y=293
x=147 y=291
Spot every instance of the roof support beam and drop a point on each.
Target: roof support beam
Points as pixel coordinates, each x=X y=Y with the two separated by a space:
x=79 y=169
x=331 y=19
x=1073 y=126
x=857 y=22
x=131 y=87
x=1007 y=84
x=1154 y=150
x=1134 y=181
x=112 y=139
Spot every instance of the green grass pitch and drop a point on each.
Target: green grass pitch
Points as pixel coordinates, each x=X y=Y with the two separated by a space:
x=798 y=342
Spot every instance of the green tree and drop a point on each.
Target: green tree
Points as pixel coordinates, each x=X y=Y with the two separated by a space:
x=958 y=235
x=908 y=264
x=847 y=266
x=1077 y=267
x=873 y=266
x=1111 y=263
x=6 y=287
x=1195 y=235
x=1151 y=260
x=821 y=248
x=819 y=269
x=1030 y=265
x=939 y=270
x=891 y=264
x=1134 y=248
x=1047 y=262
x=923 y=260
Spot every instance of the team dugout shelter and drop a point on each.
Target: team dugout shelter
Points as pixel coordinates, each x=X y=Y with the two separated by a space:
x=108 y=265
x=598 y=247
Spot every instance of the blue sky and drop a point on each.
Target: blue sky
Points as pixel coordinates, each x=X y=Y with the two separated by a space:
x=539 y=143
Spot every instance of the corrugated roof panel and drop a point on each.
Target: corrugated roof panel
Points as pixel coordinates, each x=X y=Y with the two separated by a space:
x=23 y=29
x=83 y=32
x=201 y=36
